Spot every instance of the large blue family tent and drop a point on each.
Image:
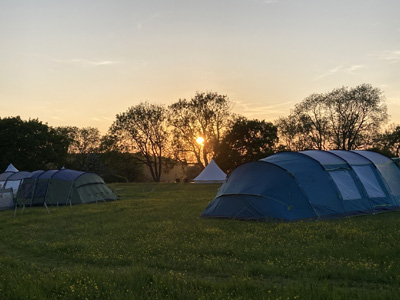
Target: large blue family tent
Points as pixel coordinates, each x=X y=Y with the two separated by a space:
x=309 y=184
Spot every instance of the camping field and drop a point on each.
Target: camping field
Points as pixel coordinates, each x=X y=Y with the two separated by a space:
x=151 y=244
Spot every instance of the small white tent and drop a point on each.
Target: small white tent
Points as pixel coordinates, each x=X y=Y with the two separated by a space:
x=211 y=174
x=11 y=168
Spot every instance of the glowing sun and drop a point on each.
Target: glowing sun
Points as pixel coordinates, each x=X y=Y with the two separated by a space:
x=200 y=140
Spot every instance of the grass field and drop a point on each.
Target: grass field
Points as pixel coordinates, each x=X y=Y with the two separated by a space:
x=152 y=244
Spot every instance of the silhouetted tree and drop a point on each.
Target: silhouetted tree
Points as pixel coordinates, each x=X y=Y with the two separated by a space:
x=388 y=142
x=31 y=145
x=355 y=115
x=83 y=147
x=143 y=129
x=345 y=118
x=119 y=166
x=206 y=115
x=294 y=132
x=245 y=141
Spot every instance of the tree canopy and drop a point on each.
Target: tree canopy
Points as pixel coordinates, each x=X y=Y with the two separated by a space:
x=143 y=128
x=345 y=118
x=83 y=147
x=206 y=115
x=193 y=131
x=245 y=141
x=388 y=142
x=31 y=145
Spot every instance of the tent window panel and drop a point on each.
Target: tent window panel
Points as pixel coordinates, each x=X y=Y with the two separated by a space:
x=14 y=185
x=41 y=189
x=392 y=177
x=369 y=181
x=345 y=184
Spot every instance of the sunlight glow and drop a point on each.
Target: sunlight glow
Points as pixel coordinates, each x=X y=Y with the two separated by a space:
x=200 y=140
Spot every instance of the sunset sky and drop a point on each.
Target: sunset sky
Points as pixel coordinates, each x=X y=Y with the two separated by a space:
x=79 y=63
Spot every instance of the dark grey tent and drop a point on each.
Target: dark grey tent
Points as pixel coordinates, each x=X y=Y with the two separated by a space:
x=63 y=187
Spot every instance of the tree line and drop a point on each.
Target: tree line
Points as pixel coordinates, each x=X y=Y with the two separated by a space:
x=156 y=137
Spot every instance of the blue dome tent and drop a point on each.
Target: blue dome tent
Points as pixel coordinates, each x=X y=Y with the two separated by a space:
x=309 y=184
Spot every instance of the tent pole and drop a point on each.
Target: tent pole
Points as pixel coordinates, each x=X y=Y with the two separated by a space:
x=48 y=211
x=47 y=192
x=33 y=191
x=69 y=197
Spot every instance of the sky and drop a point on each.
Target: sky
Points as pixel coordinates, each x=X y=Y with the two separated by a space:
x=82 y=62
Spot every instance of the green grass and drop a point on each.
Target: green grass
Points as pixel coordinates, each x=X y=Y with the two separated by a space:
x=152 y=244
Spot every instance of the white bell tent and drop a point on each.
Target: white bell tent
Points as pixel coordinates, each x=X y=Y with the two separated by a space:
x=11 y=168
x=211 y=174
